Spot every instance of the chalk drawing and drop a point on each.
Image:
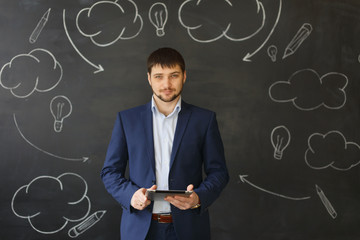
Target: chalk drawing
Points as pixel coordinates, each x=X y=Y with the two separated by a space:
x=86 y=224
x=272 y=52
x=193 y=29
x=83 y=159
x=39 y=27
x=243 y=178
x=307 y=91
x=50 y=203
x=298 y=39
x=280 y=139
x=41 y=70
x=98 y=68
x=329 y=207
x=249 y=55
x=60 y=108
x=331 y=150
x=158 y=15
x=101 y=29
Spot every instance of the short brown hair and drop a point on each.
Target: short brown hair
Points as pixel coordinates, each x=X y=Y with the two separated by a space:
x=165 y=57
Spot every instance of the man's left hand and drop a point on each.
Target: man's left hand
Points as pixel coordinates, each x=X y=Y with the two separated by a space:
x=184 y=203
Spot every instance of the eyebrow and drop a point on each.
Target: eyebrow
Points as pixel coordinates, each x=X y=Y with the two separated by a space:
x=176 y=72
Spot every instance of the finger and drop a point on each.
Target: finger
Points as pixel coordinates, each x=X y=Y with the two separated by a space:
x=190 y=187
x=153 y=187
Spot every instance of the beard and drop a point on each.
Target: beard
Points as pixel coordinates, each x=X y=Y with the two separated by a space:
x=172 y=98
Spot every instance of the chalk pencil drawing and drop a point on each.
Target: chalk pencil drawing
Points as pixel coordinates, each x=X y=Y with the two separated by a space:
x=39 y=27
x=196 y=28
x=86 y=224
x=329 y=207
x=98 y=68
x=307 y=91
x=298 y=39
x=41 y=70
x=106 y=22
x=243 y=178
x=331 y=150
x=83 y=159
x=158 y=15
x=280 y=139
x=272 y=52
x=60 y=108
x=49 y=203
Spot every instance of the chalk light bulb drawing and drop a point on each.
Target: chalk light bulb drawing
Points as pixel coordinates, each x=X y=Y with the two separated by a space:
x=280 y=139
x=272 y=52
x=158 y=16
x=60 y=108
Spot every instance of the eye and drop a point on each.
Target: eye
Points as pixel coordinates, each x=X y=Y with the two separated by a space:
x=174 y=75
x=158 y=77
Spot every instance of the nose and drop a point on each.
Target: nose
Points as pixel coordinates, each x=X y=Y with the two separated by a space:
x=167 y=82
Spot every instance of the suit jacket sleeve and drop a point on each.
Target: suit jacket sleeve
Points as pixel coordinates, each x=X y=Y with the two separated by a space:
x=214 y=166
x=113 y=172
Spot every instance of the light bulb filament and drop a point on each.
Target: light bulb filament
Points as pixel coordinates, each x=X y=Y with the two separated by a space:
x=59 y=110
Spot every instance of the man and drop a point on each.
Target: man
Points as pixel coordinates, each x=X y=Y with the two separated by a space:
x=167 y=145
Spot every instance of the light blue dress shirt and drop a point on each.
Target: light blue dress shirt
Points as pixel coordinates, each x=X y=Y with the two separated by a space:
x=163 y=131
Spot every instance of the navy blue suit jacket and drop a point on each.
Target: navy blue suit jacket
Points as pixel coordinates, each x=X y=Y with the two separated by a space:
x=197 y=146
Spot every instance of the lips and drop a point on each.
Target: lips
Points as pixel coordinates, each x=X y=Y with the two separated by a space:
x=167 y=92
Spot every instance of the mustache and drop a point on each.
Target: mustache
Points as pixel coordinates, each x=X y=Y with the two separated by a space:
x=167 y=89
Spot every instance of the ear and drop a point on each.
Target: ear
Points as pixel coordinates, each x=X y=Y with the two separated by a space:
x=184 y=80
x=149 y=78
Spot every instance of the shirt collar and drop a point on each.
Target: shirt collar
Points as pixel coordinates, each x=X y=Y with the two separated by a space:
x=176 y=109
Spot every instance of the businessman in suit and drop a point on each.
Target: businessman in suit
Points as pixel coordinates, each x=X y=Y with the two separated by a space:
x=166 y=144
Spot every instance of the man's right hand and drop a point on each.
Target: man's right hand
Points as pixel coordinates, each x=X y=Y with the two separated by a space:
x=139 y=201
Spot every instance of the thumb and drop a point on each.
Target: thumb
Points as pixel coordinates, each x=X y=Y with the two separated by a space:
x=153 y=187
x=190 y=187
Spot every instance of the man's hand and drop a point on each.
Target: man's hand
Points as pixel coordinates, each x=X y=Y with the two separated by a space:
x=139 y=201
x=184 y=203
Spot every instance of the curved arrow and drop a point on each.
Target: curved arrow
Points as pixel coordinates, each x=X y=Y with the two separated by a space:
x=84 y=159
x=99 y=67
x=248 y=56
x=244 y=180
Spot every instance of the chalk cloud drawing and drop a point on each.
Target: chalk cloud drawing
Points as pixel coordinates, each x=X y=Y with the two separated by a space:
x=280 y=139
x=60 y=108
x=158 y=15
x=106 y=22
x=229 y=20
x=43 y=73
x=308 y=91
x=272 y=52
x=50 y=203
x=39 y=27
x=298 y=39
x=331 y=150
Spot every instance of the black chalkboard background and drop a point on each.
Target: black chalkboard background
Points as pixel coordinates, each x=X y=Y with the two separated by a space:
x=49 y=177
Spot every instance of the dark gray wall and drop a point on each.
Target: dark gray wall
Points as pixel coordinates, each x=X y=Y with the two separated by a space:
x=310 y=97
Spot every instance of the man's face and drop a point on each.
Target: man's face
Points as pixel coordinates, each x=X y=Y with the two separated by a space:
x=166 y=83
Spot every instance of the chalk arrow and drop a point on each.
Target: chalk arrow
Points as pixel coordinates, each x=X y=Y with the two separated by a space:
x=83 y=159
x=98 y=67
x=244 y=180
x=248 y=56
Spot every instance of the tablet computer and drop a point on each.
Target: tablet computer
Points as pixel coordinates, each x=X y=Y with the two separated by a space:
x=161 y=194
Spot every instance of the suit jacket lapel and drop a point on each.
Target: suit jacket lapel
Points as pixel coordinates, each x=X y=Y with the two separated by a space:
x=182 y=121
x=147 y=120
